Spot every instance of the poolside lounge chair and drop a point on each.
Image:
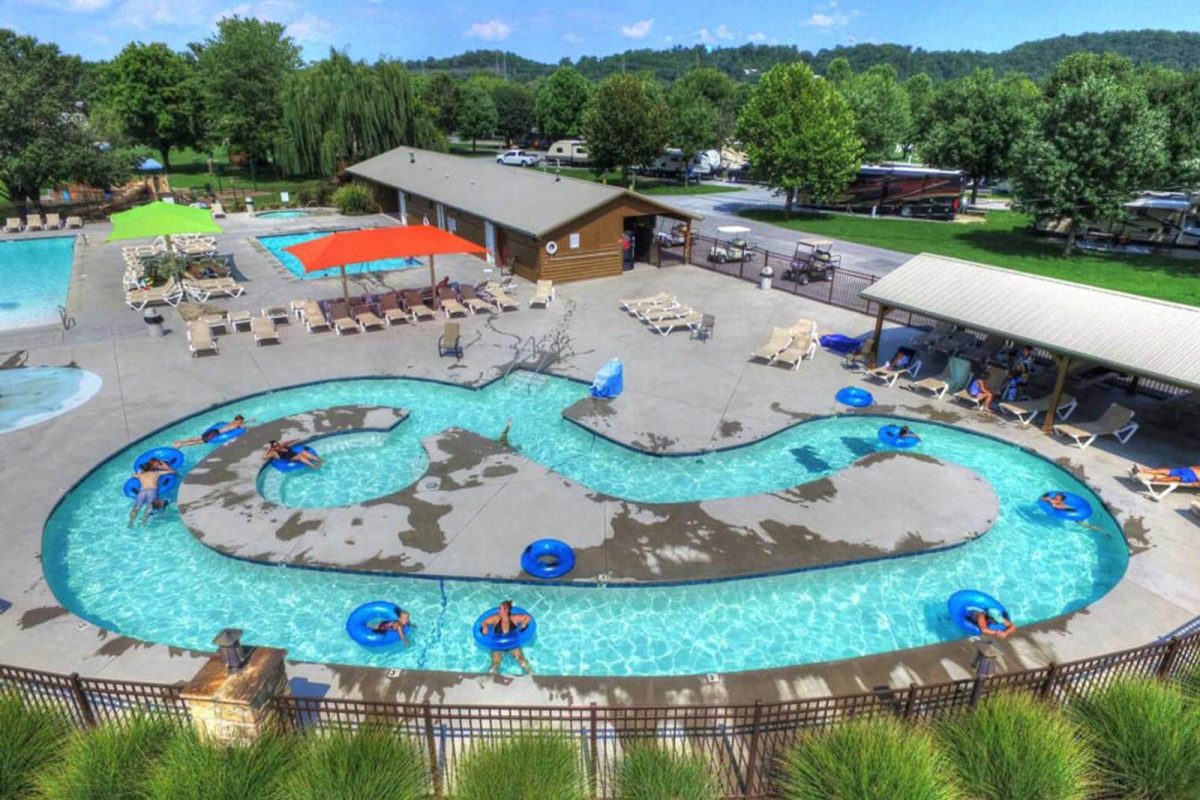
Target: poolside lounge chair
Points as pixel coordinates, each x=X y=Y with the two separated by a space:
x=216 y=322
x=692 y=321
x=310 y=314
x=339 y=317
x=499 y=298
x=366 y=318
x=888 y=375
x=74 y=222
x=468 y=297
x=201 y=289
x=953 y=378
x=542 y=294
x=671 y=303
x=264 y=330
x=170 y=293
x=12 y=225
x=276 y=314
x=803 y=346
x=450 y=342
x=1156 y=488
x=53 y=221
x=448 y=301
x=663 y=314
x=1026 y=411
x=652 y=300
x=993 y=377
x=218 y=211
x=33 y=222
x=1117 y=420
x=389 y=307
x=240 y=319
x=859 y=358
x=200 y=338
x=414 y=304
x=779 y=340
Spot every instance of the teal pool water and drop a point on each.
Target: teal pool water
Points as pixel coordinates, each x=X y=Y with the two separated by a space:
x=35 y=394
x=295 y=213
x=34 y=277
x=160 y=584
x=276 y=245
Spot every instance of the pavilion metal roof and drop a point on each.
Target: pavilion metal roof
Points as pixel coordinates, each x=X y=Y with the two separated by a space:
x=524 y=199
x=1138 y=335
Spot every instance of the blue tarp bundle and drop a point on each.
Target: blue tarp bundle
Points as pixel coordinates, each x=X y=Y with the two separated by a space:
x=840 y=344
x=609 y=381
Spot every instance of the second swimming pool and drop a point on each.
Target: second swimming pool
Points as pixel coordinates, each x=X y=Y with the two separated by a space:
x=34 y=276
x=160 y=584
x=276 y=245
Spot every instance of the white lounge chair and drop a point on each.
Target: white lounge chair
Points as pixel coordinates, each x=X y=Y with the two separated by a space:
x=201 y=289
x=74 y=222
x=1157 y=488
x=53 y=221
x=652 y=300
x=779 y=340
x=449 y=303
x=200 y=338
x=542 y=294
x=12 y=225
x=691 y=321
x=499 y=298
x=218 y=211
x=264 y=330
x=473 y=301
x=276 y=314
x=310 y=314
x=803 y=346
x=240 y=320
x=665 y=313
x=1117 y=420
x=33 y=222
x=889 y=375
x=170 y=294
x=1026 y=411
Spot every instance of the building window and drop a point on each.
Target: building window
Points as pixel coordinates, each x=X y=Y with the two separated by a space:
x=573 y=242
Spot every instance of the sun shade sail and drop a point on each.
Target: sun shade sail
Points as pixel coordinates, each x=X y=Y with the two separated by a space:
x=376 y=244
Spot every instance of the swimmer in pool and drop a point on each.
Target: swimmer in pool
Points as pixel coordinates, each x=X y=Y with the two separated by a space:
x=984 y=620
x=398 y=624
x=504 y=434
x=1057 y=501
x=237 y=422
x=284 y=452
x=906 y=433
x=505 y=621
x=1166 y=474
x=147 y=496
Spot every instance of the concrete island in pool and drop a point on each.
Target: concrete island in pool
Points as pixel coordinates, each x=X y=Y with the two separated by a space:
x=389 y=446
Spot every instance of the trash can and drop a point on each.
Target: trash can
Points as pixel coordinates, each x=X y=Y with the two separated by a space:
x=764 y=277
x=154 y=322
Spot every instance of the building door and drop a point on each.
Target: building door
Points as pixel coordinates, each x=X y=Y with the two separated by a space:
x=403 y=208
x=441 y=216
x=489 y=240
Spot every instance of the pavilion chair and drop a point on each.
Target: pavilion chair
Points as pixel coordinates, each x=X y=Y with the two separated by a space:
x=264 y=330
x=803 y=346
x=448 y=300
x=310 y=313
x=940 y=331
x=53 y=221
x=450 y=342
x=994 y=378
x=469 y=298
x=366 y=317
x=74 y=222
x=662 y=298
x=985 y=352
x=692 y=321
x=200 y=338
x=860 y=357
x=499 y=298
x=891 y=371
x=276 y=314
x=955 y=342
x=1116 y=421
x=389 y=307
x=953 y=378
x=414 y=304
x=339 y=317
x=33 y=222
x=779 y=340
x=1156 y=487
x=542 y=294
x=12 y=225
x=1026 y=411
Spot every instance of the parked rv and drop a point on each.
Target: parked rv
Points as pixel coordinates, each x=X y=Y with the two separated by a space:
x=568 y=152
x=673 y=164
x=903 y=189
x=1164 y=219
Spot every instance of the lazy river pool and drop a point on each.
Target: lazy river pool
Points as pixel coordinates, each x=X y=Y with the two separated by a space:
x=158 y=583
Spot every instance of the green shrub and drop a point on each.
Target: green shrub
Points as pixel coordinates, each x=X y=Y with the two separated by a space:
x=1189 y=682
x=373 y=763
x=544 y=767
x=195 y=769
x=1146 y=739
x=870 y=759
x=354 y=198
x=30 y=740
x=109 y=762
x=1013 y=747
x=651 y=772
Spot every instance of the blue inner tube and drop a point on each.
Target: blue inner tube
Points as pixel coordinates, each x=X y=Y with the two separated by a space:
x=854 y=396
x=168 y=455
x=964 y=604
x=292 y=466
x=504 y=641
x=166 y=483
x=890 y=435
x=548 y=558
x=1080 y=509
x=359 y=623
x=227 y=436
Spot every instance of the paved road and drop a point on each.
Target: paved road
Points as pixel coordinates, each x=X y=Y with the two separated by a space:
x=721 y=209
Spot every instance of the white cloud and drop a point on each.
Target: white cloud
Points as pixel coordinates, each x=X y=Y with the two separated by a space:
x=572 y=38
x=491 y=31
x=87 y=5
x=668 y=39
x=638 y=30
x=310 y=28
x=829 y=15
x=758 y=37
x=723 y=32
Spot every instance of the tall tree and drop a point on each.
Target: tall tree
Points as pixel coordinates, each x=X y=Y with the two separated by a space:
x=799 y=133
x=152 y=92
x=626 y=123
x=694 y=122
x=1177 y=95
x=839 y=70
x=919 y=88
x=880 y=107
x=338 y=112
x=440 y=95
x=718 y=90
x=514 y=109
x=243 y=70
x=974 y=122
x=1097 y=143
x=477 y=116
x=560 y=102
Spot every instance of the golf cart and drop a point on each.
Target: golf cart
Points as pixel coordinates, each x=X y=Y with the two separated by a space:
x=731 y=245
x=813 y=260
x=675 y=237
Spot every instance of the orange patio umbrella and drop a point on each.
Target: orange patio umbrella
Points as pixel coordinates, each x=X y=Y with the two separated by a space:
x=343 y=248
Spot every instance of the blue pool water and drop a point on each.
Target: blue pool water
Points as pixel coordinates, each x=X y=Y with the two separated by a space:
x=34 y=276
x=285 y=214
x=35 y=394
x=160 y=584
x=276 y=245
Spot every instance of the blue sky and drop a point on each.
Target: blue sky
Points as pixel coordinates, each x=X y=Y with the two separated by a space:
x=550 y=29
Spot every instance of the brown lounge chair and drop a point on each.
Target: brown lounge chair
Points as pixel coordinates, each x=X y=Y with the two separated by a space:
x=448 y=300
x=472 y=300
x=339 y=317
x=414 y=304
x=366 y=318
x=389 y=306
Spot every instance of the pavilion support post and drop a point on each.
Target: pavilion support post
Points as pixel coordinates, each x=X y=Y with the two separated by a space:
x=879 y=315
x=687 y=243
x=1060 y=382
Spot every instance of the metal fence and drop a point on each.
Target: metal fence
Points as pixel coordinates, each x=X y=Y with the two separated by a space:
x=90 y=701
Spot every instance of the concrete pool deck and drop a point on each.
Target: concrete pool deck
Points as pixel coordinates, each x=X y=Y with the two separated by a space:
x=681 y=395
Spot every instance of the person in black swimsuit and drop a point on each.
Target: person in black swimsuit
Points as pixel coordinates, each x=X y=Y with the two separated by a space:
x=237 y=422
x=284 y=452
x=505 y=621
x=398 y=624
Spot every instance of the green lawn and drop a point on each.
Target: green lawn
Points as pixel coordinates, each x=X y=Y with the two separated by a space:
x=189 y=170
x=647 y=186
x=1005 y=240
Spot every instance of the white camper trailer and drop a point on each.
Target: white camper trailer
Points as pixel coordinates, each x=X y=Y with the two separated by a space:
x=568 y=153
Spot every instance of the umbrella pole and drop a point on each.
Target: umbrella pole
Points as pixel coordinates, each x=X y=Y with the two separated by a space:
x=345 y=288
x=432 y=279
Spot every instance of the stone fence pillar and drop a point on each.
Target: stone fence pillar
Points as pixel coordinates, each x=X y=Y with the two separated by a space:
x=233 y=706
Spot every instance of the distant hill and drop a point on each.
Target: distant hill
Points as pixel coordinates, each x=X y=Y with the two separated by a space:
x=1037 y=59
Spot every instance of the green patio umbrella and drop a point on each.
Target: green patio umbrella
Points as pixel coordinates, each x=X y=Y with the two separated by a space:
x=161 y=219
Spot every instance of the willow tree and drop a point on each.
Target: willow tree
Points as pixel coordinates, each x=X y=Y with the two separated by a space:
x=338 y=112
